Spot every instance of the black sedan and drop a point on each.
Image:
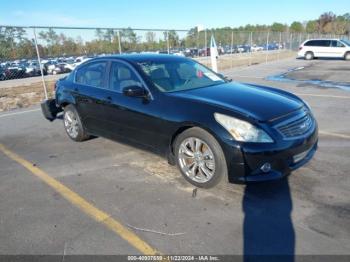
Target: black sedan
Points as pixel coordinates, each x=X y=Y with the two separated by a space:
x=212 y=128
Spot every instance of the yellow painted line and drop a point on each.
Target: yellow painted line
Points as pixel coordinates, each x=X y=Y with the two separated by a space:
x=84 y=205
x=334 y=134
x=325 y=96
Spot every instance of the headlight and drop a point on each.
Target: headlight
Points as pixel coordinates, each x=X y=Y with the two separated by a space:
x=242 y=130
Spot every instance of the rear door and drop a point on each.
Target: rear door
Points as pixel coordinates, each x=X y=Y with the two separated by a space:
x=322 y=48
x=90 y=95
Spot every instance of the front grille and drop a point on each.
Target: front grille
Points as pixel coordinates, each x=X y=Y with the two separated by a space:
x=296 y=127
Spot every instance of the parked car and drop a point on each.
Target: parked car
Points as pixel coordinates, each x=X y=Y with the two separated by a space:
x=269 y=47
x=210 y=127
x=32 y=68
x=177 y=52
x=49 y=66
x=243 y=48
x=61 y=68
x=14 y=71
x=206 y=52
x=256 y=48
x=2 y=74
x=332 y=48
x=69 y=65
x=191 y=52
x=230 y=49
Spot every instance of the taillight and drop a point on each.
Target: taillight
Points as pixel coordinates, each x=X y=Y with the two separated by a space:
x=300 y=47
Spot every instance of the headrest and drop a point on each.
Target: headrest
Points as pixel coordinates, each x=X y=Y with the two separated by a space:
x=124 y=73
x=159 y=73
x=93 y=75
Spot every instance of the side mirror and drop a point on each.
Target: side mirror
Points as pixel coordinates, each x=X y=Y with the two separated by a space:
x=134 y=91
x=227 y=79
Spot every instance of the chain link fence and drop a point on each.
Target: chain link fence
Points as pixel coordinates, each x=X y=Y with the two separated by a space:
x=33 y=58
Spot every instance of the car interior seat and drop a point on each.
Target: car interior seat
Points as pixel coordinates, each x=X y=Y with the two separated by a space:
x=162 y=79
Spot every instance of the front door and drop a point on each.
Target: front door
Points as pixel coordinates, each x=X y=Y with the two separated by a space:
x=134 y=118
x=338 y=48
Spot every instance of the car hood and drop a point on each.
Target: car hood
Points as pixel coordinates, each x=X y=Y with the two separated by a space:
x=261 y=103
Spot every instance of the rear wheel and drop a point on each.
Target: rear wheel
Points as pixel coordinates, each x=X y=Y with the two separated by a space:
x=309 y=56
x=200 y=158
x=347 y=56
x=73 y=125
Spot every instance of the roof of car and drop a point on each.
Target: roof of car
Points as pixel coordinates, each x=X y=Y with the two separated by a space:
x=326 y=39
x=138 y=58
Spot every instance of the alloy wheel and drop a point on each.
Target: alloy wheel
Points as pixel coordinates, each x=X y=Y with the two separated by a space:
x=71 y=124
x=196 y=160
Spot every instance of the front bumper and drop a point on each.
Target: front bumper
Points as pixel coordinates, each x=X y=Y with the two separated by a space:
x=245 y=161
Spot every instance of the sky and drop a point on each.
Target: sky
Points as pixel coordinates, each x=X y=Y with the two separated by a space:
x=175 y=14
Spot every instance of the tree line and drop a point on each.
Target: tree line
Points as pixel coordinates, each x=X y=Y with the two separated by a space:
x=16 y=44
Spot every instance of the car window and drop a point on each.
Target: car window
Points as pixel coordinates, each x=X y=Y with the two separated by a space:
x=325 y=43
x=337 y=44
x=92 y=74
x=173 y=76
x=122 y=76
x=319 y=43
x=310 y=43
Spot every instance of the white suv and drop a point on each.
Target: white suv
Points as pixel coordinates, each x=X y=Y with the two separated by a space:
x=324 y=48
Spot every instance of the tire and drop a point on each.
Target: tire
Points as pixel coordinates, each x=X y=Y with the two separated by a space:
x=309 y=56
x=207 y=166
x=347 y=56
x=73 y=125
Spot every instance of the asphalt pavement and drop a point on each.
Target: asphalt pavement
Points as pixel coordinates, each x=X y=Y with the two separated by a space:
x=145 y=202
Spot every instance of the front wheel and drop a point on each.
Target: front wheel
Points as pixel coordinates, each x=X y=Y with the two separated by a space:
x=347 y=56
x=73 y=125
x=309 y=56
x=200 y=158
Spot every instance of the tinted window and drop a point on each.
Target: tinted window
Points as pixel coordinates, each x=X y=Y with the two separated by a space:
x=310 y=43
x=122 y=76
x=337 y=44
x=92 y=74
x=172 y=76
x=322 y=43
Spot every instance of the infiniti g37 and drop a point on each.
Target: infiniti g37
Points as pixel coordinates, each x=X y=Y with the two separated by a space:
x=213 y=129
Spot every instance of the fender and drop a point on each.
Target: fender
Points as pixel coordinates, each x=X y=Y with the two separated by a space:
x=63 y=94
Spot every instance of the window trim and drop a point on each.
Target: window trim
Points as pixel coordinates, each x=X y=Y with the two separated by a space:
x=87 y=63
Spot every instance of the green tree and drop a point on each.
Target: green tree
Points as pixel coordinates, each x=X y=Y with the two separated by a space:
x=173 y=38
x=150 y=40
x=296 y=27
x=129 y=39
x=311 y=26
x=278 y=27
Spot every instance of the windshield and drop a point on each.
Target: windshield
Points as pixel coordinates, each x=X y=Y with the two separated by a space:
x=346 y=42
x=172 y=76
